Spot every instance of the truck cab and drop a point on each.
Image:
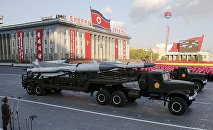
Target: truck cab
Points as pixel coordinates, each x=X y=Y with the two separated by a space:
x=183 y=73
x=157 y=85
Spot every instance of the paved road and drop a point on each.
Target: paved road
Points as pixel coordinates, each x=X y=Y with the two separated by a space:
x=80 y=111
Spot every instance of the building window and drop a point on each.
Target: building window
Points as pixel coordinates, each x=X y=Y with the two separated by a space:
x=45 y=51
x=80 y=34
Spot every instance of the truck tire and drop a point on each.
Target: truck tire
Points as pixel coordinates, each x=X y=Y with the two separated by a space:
x=40 y=91
x=103 y=97
x=189 y=103
x=177 y=106
x=30 y=89
x=118 y=99
x=199 y=86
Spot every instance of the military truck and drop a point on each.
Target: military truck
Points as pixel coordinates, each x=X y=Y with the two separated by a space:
x=117 y=87
x=183 y=73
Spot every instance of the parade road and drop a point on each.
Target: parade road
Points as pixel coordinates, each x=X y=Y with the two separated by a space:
x=80 y=111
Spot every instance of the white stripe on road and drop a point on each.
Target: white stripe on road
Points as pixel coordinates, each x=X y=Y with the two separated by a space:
x=109 y=115
x=204 y=103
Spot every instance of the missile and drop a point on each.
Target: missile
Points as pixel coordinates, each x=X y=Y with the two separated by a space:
x=44 y=69
x=92 y=67
x=48 y=63
x=138 y=65
x=61 y=66
x=130 y=64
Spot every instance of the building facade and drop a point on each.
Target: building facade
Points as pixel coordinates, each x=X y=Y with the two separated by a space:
x=57 y=38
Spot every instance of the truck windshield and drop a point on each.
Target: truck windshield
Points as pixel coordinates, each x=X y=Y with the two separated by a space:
x=166 y=76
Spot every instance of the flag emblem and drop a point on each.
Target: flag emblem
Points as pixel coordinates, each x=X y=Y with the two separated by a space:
x=99 y=21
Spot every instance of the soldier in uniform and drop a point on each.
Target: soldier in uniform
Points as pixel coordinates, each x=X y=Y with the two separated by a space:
x=5 y=109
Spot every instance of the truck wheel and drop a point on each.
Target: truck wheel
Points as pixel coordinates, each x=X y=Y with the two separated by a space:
x=103 y=97
x=189 y=103
x=40 y=91
x=118 y=99
x=30 y=89
x=199 y=86
x=177 y=105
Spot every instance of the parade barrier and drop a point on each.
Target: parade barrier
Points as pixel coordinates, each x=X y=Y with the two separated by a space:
x=194 y=67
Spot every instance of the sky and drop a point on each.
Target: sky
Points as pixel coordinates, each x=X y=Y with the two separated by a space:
x=144 y=20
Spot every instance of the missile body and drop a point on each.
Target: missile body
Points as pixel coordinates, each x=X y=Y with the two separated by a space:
x=93 y=67
x=130 y=64
x=44 y=69
x=60 y=66
x=139 y=65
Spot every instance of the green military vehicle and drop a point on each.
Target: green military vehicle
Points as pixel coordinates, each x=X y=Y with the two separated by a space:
x=117 y=87
x=183 y=73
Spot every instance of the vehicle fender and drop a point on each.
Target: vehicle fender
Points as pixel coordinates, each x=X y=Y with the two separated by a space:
x=196 y=80
x=178 y=93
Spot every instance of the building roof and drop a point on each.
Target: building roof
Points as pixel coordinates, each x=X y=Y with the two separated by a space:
x=59 y=21
x=186 y=46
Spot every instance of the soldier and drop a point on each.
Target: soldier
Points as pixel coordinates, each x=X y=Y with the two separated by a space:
x=5 y=109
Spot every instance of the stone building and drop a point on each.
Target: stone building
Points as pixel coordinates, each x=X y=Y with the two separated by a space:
x=58 y=38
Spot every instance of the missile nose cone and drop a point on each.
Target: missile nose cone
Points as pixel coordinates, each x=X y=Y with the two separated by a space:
x=105 y=67
x=148 y=64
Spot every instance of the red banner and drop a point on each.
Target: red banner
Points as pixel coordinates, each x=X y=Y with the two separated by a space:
x=87 y=46
x=20 y=46
x=116 y=48
x=98 y=20
x=39 y=44
x=72 y=43
x=124 y=49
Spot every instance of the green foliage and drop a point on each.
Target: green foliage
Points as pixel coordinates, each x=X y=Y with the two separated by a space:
x=143 y=54
x=165 y=58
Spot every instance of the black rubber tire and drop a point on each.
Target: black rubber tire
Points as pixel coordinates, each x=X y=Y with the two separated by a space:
x=177 y=106
x=189 y=103
x=199 y=86
x=118 y=99
x=30 y=89
x=103 y=97
x=40 y=91
x=129 y=99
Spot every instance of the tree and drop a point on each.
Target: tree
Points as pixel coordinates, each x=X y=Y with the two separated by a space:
x=143 y=54
x=165 y=58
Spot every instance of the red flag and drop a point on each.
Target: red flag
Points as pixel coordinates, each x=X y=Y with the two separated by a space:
x=124 y=49
x=72 y=43
x=116 y=48
x=20 y=46
x=39 y=44
x=99 y=21
x=87 y=46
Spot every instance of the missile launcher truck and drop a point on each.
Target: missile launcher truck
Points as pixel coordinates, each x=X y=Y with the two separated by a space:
x=117 y=87
x=183 y=73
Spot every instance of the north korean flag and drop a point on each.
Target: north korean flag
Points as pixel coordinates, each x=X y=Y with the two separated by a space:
x=99 y=21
